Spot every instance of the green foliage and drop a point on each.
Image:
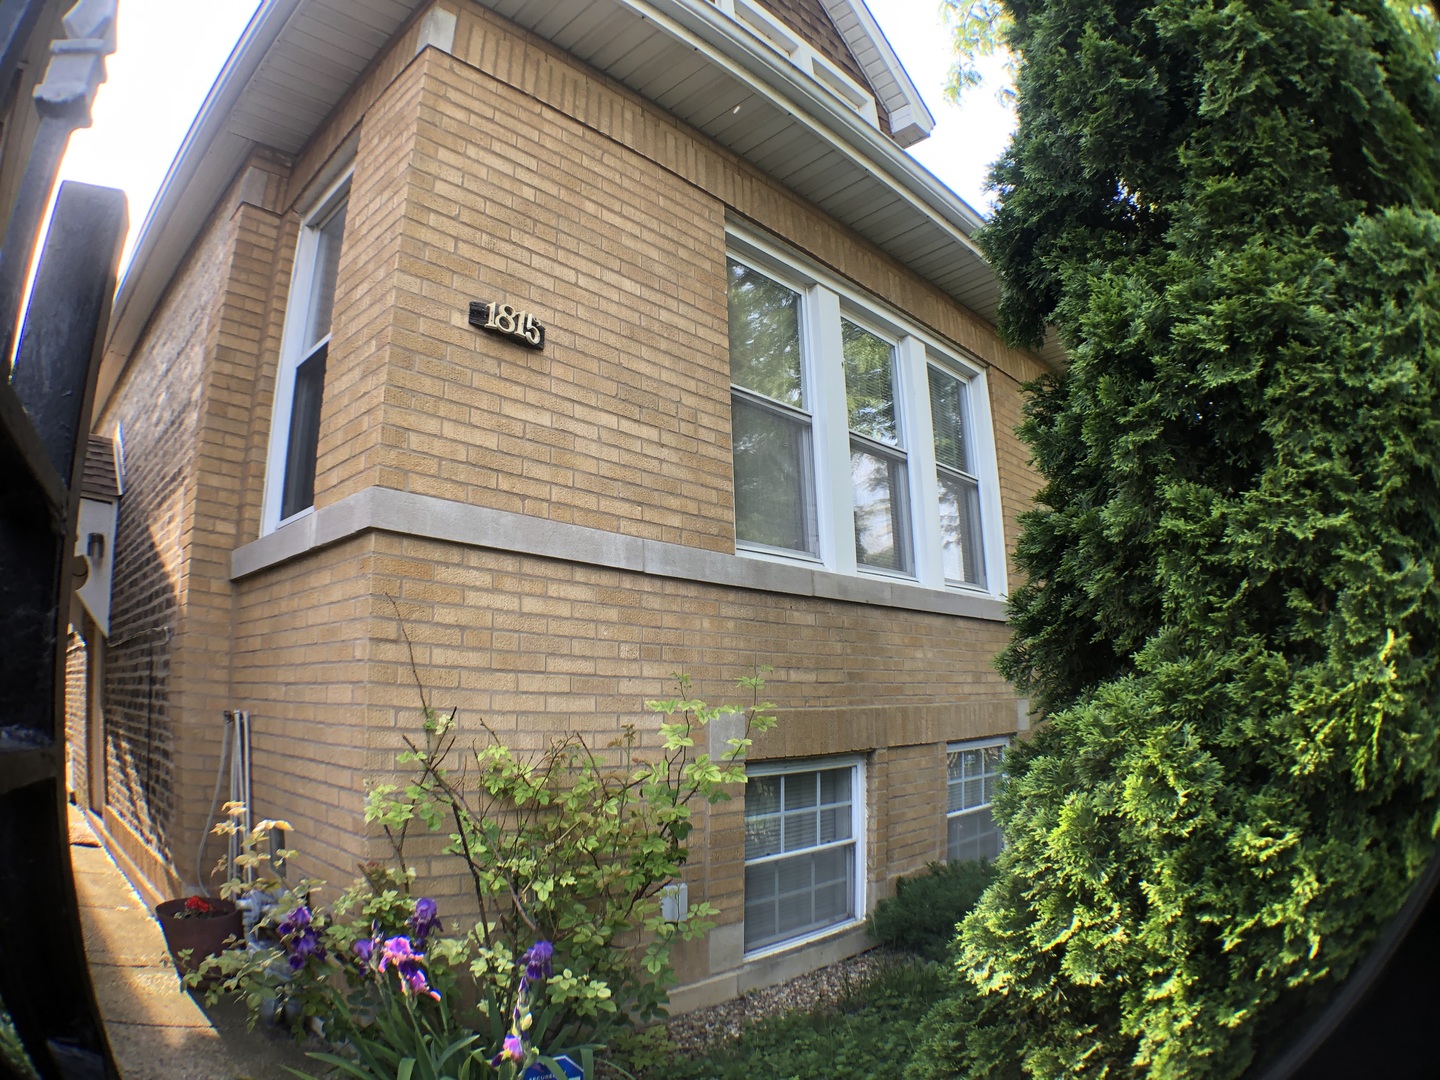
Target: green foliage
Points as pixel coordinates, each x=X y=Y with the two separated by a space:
x=921 y=917
x=869 y=1033
x=574 y=844
x=403 y=1042
x=978 y=29
x=1228 y=213
x=12 y=1051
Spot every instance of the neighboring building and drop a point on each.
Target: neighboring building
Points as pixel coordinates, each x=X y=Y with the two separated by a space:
x=769 y=423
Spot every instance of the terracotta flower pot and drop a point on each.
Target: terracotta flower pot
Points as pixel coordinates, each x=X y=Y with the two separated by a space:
x=203 y=935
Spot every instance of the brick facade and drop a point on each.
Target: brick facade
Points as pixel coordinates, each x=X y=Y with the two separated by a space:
x=615 y=237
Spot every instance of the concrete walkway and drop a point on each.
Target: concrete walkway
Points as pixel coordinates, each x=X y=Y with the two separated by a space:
x=156 y=1029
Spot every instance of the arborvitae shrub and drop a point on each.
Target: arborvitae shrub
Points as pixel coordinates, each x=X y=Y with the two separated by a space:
x=921 y=916
x=1231 y=617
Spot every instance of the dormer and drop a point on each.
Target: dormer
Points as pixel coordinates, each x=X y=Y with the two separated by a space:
x=838 y=44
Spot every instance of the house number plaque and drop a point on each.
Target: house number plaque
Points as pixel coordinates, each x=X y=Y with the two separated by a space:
x=502 y=319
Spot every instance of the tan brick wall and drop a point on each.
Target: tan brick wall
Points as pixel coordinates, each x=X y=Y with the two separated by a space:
x=159 y=403
x=300 y=653
x=76 y=729
x=186 y=401
x=536 y=647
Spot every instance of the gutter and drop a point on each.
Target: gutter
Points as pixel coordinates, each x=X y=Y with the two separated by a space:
x=709 y=30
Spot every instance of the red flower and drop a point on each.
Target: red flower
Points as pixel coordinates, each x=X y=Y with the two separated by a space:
x=198 y=905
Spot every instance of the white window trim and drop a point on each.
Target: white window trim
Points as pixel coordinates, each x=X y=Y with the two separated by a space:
x=858 y=804
x=956 y=747
x=296 y=313
x=825 y=299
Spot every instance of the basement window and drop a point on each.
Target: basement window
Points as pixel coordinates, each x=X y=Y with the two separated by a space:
x=973 y=768
x=803 y=860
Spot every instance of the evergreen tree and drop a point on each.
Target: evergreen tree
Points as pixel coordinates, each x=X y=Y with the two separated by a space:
x=1232 y=619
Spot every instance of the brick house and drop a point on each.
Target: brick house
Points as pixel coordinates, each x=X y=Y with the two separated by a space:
x=740 y=401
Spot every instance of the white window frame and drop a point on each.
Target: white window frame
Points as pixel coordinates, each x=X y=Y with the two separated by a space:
x=825 y=300
x=956 y=747
x=858 y=803
x=297 y=314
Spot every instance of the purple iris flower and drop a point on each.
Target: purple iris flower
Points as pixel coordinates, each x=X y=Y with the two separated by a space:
x=299 y=937
x=538 y=961
x=364 y=950
x=408 y=966
x=298 y=920
x=412 y=977
x=512 y=1049
x=425 y=920
x=396 y=951
x=302 y=946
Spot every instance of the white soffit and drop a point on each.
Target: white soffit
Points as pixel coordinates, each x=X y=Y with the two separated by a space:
x=298 y=58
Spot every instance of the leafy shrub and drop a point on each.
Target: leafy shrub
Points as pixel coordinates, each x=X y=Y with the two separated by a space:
x=920 y=918
x=574 y=844
x=1231 y=611
x=570 y=847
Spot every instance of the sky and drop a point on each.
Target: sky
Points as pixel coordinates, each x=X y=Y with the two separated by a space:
x=167 y=58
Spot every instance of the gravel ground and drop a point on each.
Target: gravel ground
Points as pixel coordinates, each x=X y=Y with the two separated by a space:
x=703 y=1028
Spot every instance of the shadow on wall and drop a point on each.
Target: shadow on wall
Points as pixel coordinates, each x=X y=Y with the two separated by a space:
x=138 y=716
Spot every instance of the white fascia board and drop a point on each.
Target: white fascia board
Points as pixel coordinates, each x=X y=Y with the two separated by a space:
x=910 y=119
x=700 y=25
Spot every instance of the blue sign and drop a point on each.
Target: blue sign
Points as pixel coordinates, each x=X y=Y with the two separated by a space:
x=567 y=1067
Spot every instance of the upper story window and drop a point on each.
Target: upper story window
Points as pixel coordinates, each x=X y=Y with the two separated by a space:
x=877 y=454
x=859 y=443
x=770 y=417
x=304 y=349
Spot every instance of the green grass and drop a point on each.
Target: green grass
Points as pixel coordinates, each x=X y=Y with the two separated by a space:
x=870 y=1033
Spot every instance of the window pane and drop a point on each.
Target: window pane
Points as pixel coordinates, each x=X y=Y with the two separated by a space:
x=972 y=835
x=774 y=490
x=804 y=889
x=798 y=894
x=762 y=836
x=801 y=790
x=882 y=521
x=947 y=414
x=304 y=440
x=834 y=824
x=869 y=383
x=801 y=830
x=835 y=786
x=764 y=336
x=762 y=795
x=974 y=792
x=970 y=763
x=322 y=284
x=960 y=528
x=762 y=817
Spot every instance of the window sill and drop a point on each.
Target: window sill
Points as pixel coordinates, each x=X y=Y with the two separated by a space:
x=408 y=514
x=812 y=938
